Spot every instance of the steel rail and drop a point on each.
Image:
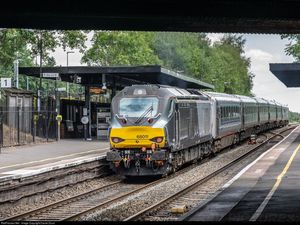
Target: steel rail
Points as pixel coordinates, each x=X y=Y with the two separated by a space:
x=80 y=196
x=200 y=181
x=78 y=215
x=89 y=193
x=58 y=203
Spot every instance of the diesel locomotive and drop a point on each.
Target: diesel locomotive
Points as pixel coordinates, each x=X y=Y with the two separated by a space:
x=155 y=129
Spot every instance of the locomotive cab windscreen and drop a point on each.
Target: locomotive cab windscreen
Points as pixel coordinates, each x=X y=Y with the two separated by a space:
x=139 y=115
x=136 y=109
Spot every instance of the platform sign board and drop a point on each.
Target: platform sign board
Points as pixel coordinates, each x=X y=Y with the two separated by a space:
x=50 y=75
x=97 y=90
x=59 y=119
x=6 y=82
x=85 y=111
x=61 y=89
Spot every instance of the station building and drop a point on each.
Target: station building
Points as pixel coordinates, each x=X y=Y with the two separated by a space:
x=103 y=82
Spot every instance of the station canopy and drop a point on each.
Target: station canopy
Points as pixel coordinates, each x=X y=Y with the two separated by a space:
x=287 y=73
x=117 y=76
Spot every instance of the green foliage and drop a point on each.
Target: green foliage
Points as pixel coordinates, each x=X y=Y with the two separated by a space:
x=294 y=117
x=12 y=46
x=221 y=64
x=185 y=52
x=293 y=47
x=120 y=48
x=26 y=45
x=228 y=69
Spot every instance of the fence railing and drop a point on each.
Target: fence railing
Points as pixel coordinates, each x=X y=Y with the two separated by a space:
x=23 y=125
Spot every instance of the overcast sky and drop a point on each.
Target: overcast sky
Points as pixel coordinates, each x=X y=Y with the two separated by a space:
x=261 y=48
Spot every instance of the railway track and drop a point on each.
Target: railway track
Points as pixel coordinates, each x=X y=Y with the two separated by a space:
x=78 y=206
x=191 y=195
x=74 y=207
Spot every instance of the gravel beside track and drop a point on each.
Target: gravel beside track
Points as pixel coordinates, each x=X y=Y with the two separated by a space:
x=40 y=200
x=206 y=190
x=146 y=195
x=142 y=200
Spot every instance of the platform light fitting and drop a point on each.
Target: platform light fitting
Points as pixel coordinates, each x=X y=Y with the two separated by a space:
x=104 y=86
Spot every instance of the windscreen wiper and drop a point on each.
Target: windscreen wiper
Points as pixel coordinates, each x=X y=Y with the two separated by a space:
x=147 y=111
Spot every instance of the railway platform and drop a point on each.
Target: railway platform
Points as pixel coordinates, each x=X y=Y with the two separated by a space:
x=268 y=189
x=28 y=160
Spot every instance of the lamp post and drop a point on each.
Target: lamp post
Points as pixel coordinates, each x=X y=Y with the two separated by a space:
x=68 y=87
x=16 y=72
x=41 y=62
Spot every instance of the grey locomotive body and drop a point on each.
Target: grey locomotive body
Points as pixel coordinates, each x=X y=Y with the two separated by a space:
x=156 y=129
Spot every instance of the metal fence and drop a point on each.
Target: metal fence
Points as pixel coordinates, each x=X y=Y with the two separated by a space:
x=23 y=125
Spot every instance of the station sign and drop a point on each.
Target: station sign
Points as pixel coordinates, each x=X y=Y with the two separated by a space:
x=84 y=120
x=59 y=119
x=96 y=90
x=6 y=82
x=85 y=111
x=61 y=89
x=50 y=75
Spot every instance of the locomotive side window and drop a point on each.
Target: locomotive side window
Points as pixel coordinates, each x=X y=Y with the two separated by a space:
x=171 y=109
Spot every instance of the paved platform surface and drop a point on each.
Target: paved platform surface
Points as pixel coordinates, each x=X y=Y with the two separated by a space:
x=266 y=190
x=21 y=159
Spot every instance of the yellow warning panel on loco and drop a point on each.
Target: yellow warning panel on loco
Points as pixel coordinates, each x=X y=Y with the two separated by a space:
x=137 y=137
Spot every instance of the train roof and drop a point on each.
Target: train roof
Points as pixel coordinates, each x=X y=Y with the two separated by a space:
x=163 y=89
x=246 y=99
x=222 y=96
x=198 y=94
x=272 y=102
x=261 y=100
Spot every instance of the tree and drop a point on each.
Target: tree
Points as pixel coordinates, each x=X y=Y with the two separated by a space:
x=229 y=68
x=222 y=64
x=294 y=117
x=25 y=45
x=185 y=52
x=120 y=48
x=293 y=47
x=12 y=45
x=49 y=40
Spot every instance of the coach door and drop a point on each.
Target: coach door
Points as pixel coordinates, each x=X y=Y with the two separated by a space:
x=177 y=125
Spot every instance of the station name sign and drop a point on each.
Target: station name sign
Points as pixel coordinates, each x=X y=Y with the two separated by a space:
x=50 y=75
x=96 y=90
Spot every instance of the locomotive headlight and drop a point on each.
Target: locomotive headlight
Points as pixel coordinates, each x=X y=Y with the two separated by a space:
x=157 y=139
x=117 y=139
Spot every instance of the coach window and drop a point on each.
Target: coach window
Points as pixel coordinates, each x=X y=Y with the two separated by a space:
x=231 y=112
x=227 y=113
x=222 y=112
